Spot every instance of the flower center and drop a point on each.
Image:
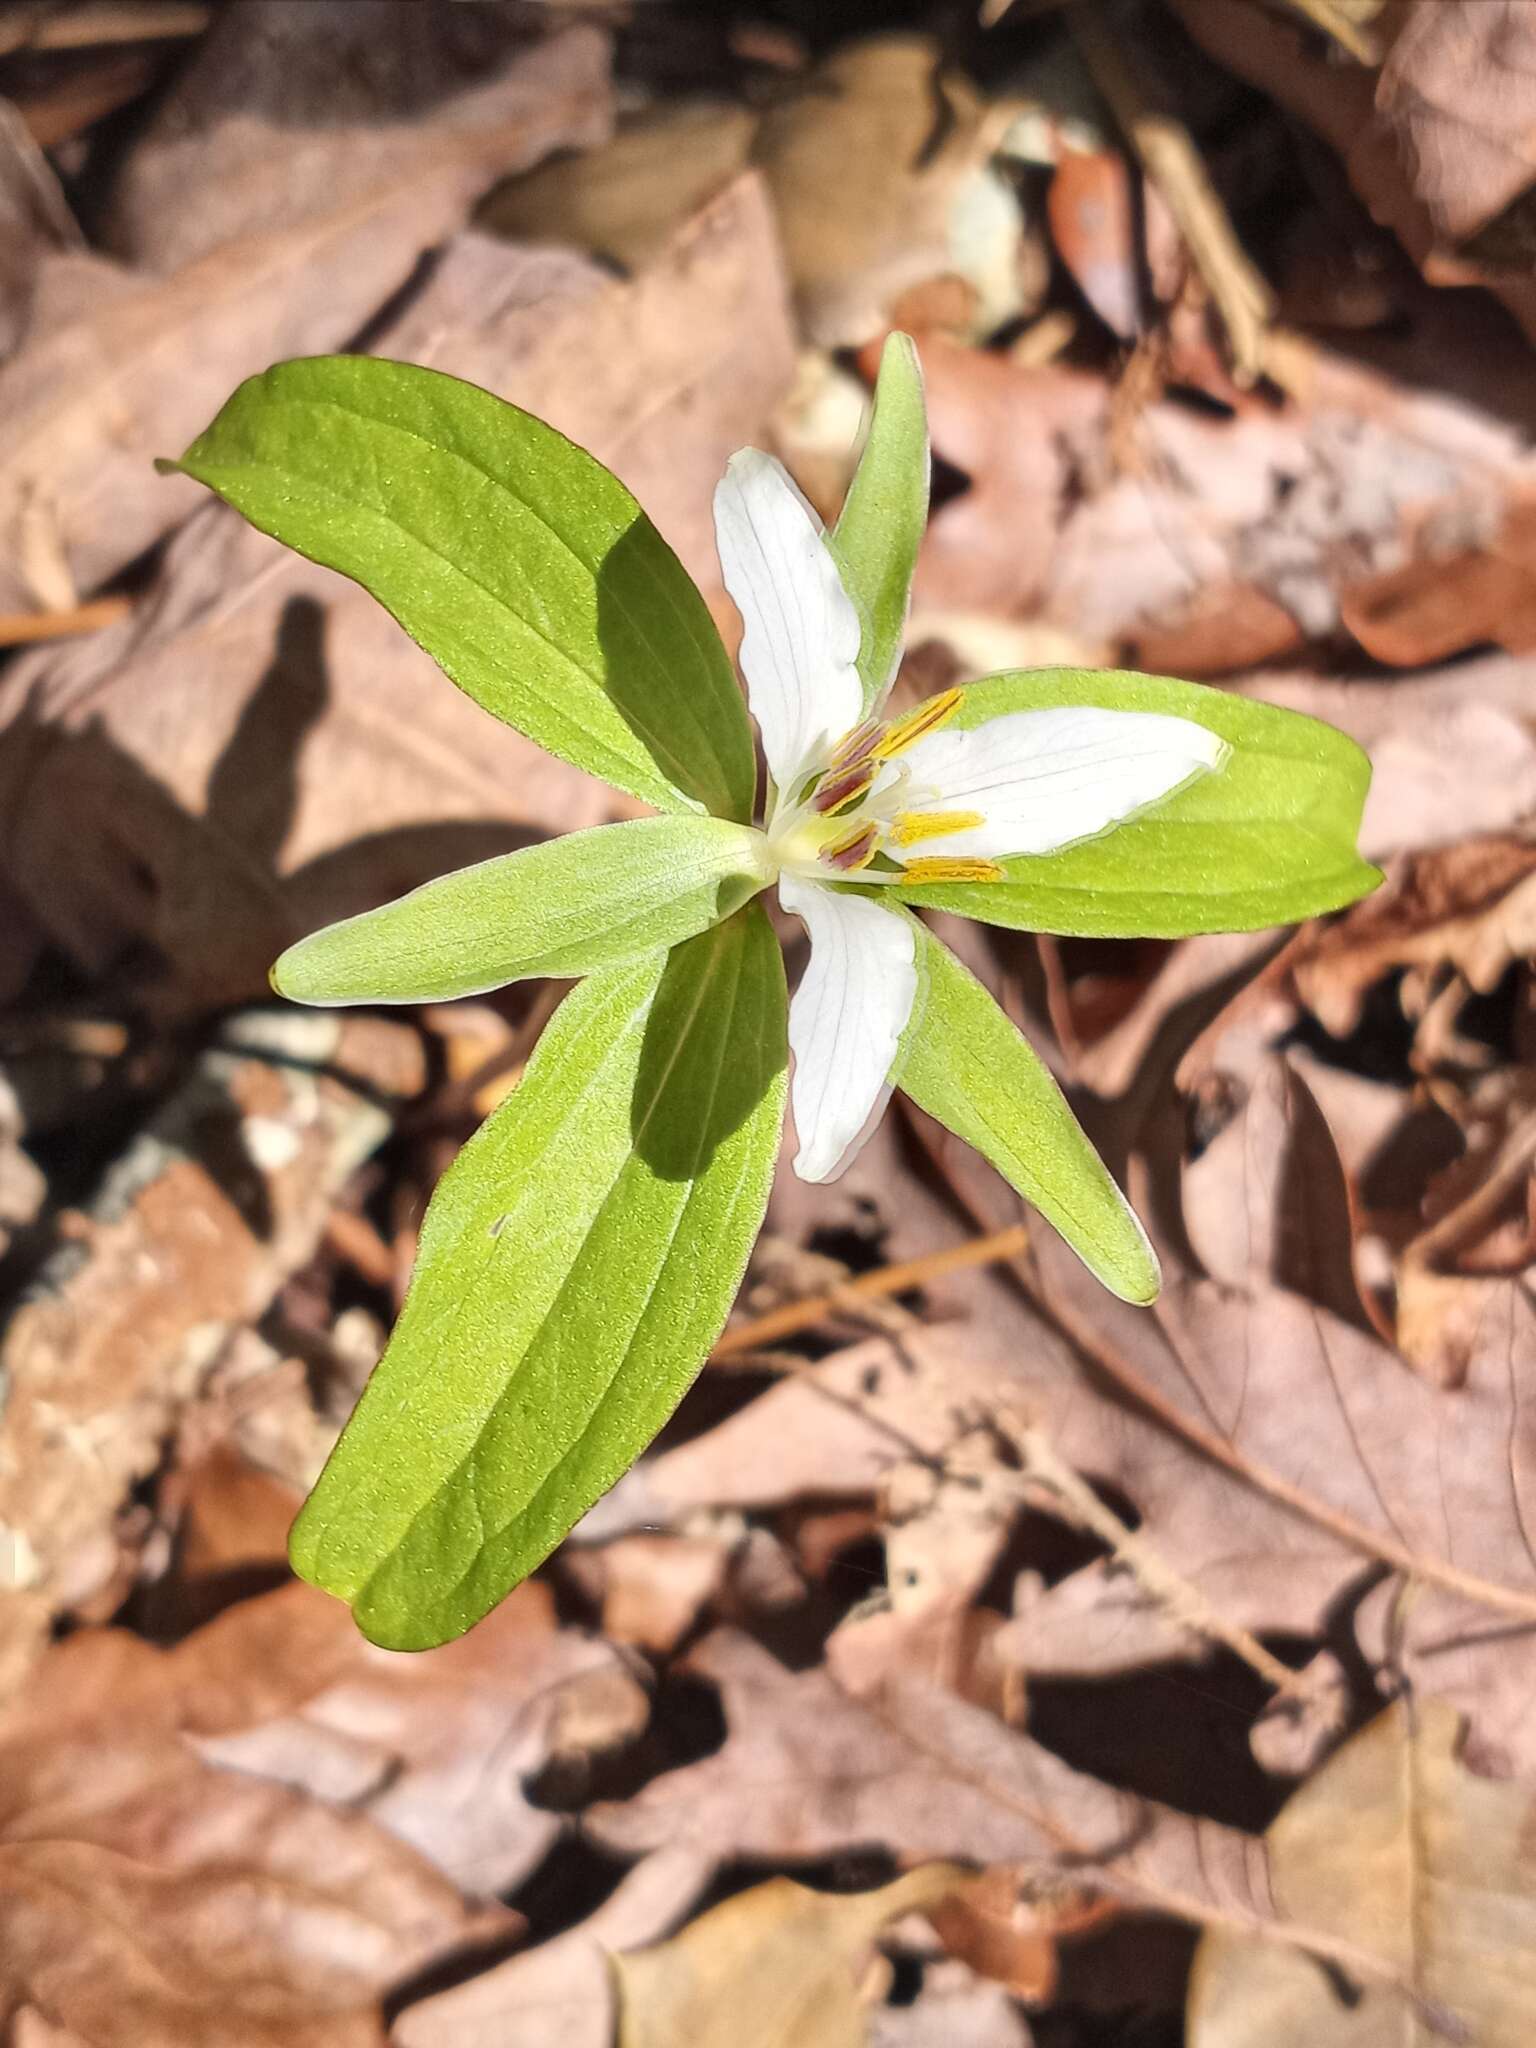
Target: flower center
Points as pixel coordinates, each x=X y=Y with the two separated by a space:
x=857 y=811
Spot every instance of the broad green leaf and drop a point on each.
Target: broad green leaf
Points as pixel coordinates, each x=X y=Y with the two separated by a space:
x=876 y=537
x=525 y=569
x=576 y=1263
x=964 y=1062
x=1268 y=838
x=563 y=908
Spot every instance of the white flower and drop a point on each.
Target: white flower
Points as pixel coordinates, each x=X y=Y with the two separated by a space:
x=855 y=798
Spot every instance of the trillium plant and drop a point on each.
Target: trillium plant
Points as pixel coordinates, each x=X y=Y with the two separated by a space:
x=581 y=1256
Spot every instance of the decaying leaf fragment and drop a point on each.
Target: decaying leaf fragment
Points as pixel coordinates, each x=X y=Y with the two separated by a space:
x=1396 y=1847
x=775 y=1967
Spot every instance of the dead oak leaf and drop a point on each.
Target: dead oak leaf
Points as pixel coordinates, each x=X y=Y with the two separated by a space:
x=807 y=1772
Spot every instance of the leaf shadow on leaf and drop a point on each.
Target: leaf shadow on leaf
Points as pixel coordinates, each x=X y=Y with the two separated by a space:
x=676 y=1128
x=632 y=622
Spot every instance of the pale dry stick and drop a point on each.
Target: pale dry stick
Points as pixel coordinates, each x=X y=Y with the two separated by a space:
x=1336 y=22
x=84 y=27
x=795 y=1316
x=1170 y=159
x=1183 y=1601
x=1133 y=1891
x=24 y=629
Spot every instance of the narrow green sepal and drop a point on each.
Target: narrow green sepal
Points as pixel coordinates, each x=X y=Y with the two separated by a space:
x=967 y=1064
x=876 y=538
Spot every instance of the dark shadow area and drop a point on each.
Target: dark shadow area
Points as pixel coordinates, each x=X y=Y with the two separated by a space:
x=1178 y=1733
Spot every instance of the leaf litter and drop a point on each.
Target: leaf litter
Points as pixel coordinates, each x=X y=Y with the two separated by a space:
x=955 y=1586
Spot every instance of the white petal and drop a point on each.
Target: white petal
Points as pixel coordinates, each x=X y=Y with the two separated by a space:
x=1044 y=779
x=800 y=646
x=845 y=1021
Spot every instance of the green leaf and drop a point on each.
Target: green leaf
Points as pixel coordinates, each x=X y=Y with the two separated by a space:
x=525 y=569
x=876 y=537
x=963 y=1061
x=563 y=908
x=1268 y=838
x=576 y=1263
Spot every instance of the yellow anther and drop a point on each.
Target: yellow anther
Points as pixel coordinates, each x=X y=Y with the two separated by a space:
x=911 y=828
x=936 y=869
x=926 y=718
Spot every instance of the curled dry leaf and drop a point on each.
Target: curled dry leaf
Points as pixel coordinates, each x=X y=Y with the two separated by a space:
x=1469 y=909
x=1399 y=1849
x=880 y=170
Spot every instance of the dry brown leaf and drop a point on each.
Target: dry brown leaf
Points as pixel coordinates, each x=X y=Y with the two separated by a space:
x=1338 y=1434
x=1122 y=520
x=562 y=1991
x=1269 y=1199
x=284 y=113
x=807 y=1771
x=1438 y=142
x=145 y=1896
x=440 y=1749
x=260 y=748
x=1468 y=908
x=88 y=401
x=219 y=1198
x=1436 y=607
x=1457 y=94
x=1399 y=1849
x=775 y=1967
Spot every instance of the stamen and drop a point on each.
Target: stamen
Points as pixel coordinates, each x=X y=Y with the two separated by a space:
x=934 y=868
x=910 y=828
x=855 y=849
x=926 y=718
x=856 y=746
x=841 y=787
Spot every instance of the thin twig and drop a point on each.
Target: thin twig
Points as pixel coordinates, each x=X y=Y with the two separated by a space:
x=1184 y=1602
x=795 y=1316
x=22 y=629
x=1346 y=32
